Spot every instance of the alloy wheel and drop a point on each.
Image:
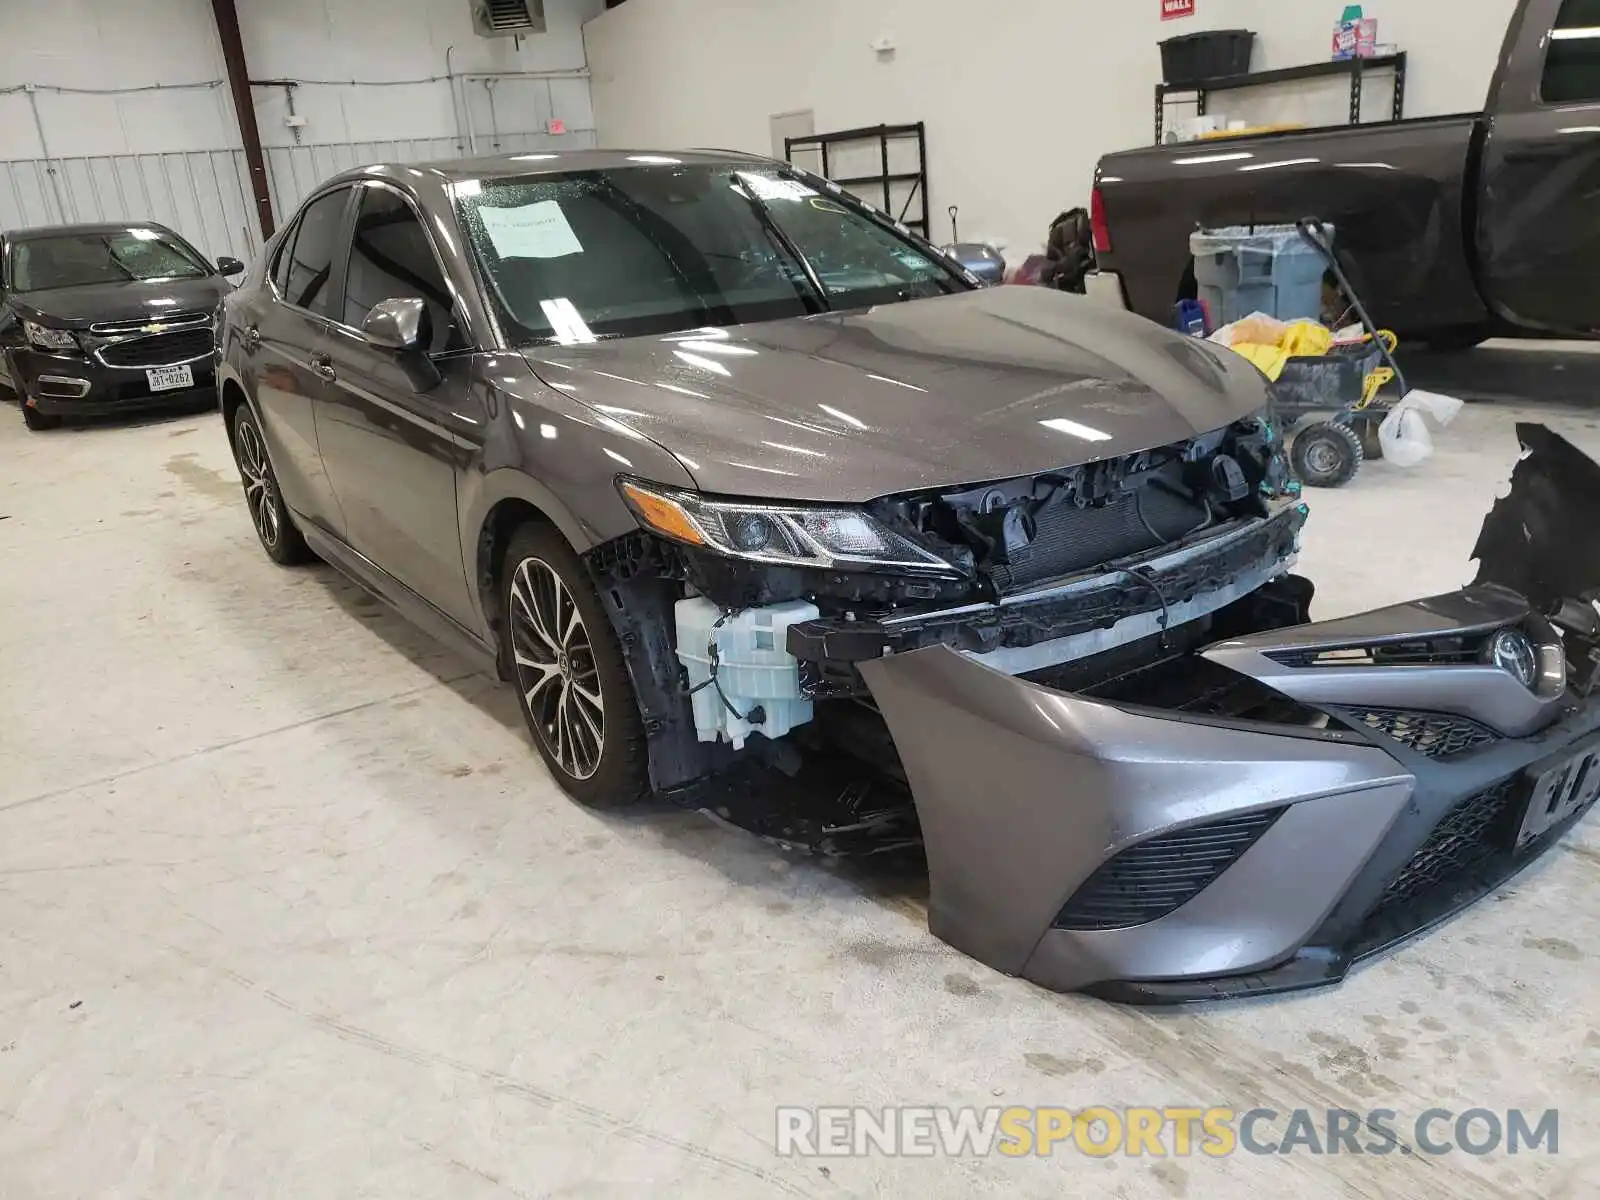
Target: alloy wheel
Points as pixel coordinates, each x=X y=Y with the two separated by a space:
x=260 y=490
x=555 y=665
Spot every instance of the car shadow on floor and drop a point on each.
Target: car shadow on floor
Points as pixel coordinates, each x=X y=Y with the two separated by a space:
x=834 y=828
x=1511 y=372
x=131 y=420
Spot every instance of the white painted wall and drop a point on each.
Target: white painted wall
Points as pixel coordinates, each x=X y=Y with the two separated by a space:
x=407 y=39
x=95 y=44
x=1020 y=97
x=110 y=44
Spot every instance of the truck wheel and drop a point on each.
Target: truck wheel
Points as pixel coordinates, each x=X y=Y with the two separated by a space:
x=1371 y=446
x=1326 y=454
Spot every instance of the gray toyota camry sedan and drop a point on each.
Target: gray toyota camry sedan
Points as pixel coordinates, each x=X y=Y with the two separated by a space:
x=719 y=467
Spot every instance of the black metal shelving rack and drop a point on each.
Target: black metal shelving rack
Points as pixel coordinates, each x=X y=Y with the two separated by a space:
x=883 y=135
x=1355 y=68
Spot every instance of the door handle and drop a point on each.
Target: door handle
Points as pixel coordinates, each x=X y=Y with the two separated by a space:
x=252 y=338
x=322 y=364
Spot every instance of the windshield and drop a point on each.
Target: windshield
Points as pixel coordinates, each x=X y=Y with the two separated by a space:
x=657 y=249
x=116 y=256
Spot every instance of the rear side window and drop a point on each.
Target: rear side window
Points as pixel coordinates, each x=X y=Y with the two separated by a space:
x=391 y=259
x=280 y=263
x=311 y=260
x=1572 y=66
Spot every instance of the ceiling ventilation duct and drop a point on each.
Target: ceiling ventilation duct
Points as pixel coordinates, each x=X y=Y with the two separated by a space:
x=507 y=18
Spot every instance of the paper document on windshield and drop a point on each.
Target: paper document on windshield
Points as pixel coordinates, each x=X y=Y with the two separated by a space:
x=538 y=230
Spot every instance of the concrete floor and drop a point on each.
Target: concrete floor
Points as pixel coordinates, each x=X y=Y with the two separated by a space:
x=289 y=907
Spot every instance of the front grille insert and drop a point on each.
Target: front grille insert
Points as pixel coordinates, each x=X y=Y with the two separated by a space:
x=137 y=324
x=1426 y=652
x=1155 y=877
x=1438 y=735
x=159 y=349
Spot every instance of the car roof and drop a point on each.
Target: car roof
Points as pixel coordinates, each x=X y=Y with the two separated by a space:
x=43 y=231
x=545 y=162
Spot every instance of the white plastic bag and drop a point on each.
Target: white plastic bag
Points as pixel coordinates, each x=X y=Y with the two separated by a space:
x=1404 y=433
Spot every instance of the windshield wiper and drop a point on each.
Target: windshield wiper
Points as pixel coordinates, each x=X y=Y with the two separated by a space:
x=819 y=294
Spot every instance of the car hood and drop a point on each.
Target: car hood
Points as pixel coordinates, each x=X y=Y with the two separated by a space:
x=79 y=307
x=960 y=389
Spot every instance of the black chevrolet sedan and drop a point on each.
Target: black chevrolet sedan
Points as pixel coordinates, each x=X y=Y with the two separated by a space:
x=107 y=318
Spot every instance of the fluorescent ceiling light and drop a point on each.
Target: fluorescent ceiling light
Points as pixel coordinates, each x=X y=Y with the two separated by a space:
x=843 y=416
x=704 y=363
x=1062 y=425
x=1200 y=159
x=1287 y=162
x=566 y=322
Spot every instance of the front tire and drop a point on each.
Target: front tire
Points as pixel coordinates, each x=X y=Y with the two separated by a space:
x=275 y=528
x=571 y=677
x=1326 y=455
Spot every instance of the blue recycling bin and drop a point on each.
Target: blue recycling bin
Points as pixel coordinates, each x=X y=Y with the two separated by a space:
x=1264 y=268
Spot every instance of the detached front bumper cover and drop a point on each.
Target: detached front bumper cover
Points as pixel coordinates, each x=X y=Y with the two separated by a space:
x=1152 y=856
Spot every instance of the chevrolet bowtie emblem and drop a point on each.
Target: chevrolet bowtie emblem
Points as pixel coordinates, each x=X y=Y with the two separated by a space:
x=156 y=327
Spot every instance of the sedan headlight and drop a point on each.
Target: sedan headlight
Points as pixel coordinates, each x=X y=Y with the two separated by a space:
x=790 y=535
x=46 y=338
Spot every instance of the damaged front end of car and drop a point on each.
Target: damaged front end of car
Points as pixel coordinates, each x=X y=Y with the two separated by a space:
x=1138 y=769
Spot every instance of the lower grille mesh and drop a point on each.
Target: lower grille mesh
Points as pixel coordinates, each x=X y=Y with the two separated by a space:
x=1438 y=735
x=158 y=349
x=1471 y=835
x=1153 y=878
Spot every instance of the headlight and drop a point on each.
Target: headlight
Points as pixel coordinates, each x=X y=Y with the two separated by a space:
x=792 y=535
x=49 y=339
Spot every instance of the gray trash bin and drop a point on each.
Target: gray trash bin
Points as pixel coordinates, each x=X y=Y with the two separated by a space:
x=1267 y=268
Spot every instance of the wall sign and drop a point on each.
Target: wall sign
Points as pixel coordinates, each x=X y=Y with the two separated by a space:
x=1171 y=10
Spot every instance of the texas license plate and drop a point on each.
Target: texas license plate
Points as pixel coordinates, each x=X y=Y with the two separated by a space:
x=1560 y=792
x=170 y=379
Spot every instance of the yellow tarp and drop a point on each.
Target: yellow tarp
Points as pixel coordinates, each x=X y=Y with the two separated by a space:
x=1301 y=339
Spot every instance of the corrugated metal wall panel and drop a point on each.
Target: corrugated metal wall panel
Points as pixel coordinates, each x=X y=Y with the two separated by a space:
x=205 y=194
x=293 y=171
x=202 y=194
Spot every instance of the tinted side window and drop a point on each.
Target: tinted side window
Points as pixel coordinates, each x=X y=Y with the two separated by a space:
x=311 y=260
x=280 y=264
x=1572 y=66
x=391 y=258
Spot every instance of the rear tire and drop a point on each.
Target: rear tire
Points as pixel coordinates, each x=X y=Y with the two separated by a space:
x=572 y=679
x=275 y=528
x=1326 y=455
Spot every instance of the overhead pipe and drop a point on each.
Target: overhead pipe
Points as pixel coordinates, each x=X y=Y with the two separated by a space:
x=455 y=99
x=494 y=120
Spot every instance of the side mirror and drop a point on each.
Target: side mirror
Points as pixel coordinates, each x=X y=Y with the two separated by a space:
x=399 y=324
x=403 y=325
x=229 y=266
